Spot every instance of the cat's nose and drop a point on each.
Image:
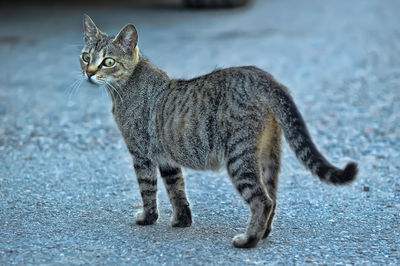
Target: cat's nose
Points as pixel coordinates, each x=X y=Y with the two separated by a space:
x=90 y=74
x=91 y=71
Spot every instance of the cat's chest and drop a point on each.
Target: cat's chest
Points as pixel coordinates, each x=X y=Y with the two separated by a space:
x=132 y=122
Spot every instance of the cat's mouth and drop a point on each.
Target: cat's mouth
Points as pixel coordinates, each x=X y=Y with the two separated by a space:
x=91 y=81
x=94 y=80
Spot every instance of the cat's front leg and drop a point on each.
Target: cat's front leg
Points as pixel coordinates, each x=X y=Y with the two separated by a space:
x=146 y=173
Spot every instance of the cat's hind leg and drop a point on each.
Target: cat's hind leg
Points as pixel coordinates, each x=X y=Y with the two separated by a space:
x=244 y=171
x=269 y=156
x=270 y=168
x=174 y=183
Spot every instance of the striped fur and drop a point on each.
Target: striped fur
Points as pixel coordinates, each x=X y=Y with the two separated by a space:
x=232 y=117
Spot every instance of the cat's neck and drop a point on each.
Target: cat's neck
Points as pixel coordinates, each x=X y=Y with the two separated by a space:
x=145 y=82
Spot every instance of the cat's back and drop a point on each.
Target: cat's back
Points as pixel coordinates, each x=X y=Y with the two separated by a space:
x=232 y=77
x=196 y=117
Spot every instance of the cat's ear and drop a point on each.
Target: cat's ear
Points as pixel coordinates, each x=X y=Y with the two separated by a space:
x=89 y=28
x=127 y=39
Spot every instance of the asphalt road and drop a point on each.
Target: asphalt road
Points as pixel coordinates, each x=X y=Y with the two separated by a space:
x=68 y=194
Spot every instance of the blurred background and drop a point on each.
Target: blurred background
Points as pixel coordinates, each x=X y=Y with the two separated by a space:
x=68 y=194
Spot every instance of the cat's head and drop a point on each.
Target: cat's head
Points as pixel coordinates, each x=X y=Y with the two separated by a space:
x=107 y=59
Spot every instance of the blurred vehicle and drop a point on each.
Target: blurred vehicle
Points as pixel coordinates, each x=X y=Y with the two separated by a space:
x=142 y=3
x=214 y=3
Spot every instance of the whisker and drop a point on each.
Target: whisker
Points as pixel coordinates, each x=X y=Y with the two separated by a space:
x=78 y=86
x=112 y=87
x=69 y=89
x=103 y=96
x=119 y=87
x=73 y=88
x=110 y=93
x=107 y=93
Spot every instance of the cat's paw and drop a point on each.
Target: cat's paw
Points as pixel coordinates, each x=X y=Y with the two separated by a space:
x=182 y=218
x=146 y=218
x=244 y=241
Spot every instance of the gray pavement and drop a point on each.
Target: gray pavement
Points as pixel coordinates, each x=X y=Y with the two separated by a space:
x=68 y=194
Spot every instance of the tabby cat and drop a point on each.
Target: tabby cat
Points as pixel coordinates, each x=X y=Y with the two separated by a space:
x=231 y=117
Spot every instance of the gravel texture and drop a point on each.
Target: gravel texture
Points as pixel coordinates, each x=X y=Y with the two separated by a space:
x=68 y=194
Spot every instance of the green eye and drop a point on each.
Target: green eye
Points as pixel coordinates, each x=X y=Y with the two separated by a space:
x=86 y=57
x=108 y=62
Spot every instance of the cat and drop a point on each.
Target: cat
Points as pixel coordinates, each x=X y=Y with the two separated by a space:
x=232 y=117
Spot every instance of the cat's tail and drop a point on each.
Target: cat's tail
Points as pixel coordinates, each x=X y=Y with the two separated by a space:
x=296 y=133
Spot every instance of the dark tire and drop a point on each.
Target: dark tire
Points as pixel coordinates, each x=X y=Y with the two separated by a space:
x=214 y=3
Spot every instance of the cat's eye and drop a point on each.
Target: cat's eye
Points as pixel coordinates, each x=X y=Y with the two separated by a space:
x=86 y=57
x=108 y=62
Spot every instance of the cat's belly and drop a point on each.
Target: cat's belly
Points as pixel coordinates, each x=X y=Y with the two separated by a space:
x=209 y=162
x=192 y=144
